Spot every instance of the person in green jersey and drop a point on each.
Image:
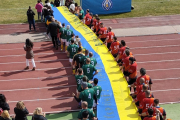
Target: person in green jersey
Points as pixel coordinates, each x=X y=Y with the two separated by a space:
x=93 y=60
x=80 y=45
x=97 y=90
x=87 y=95
x=72 y=50
x=77 y=59
x=86 y=112
x=89 y=69
x=69 y=34
x=83 y=59
x=81 y=13
x=63 y=35
x=79 y=77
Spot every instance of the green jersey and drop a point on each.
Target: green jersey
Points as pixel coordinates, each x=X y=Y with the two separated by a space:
x=69 y=33
x=72 y=49
x=88 y=70
x=88 y=96
x=81 y=16
x=97 y=90
x=63 y=32
x=79 y=80
x=91 y=114
x=80 y=88
x=93 y=61
x=83 y=59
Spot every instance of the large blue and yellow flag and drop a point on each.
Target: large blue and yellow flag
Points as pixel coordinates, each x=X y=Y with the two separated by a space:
x=115 y=102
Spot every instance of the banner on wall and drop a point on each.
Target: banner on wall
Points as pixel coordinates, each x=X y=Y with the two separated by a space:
x=106 y=6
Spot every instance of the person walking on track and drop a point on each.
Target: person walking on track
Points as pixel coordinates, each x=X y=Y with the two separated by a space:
x=29 y=54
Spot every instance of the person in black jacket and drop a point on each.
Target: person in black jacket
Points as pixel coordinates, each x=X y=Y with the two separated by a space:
x=56 y=3
x=21 y=111
x=3 y=104
x=30 y=15
x=5 y=116
x=52 y=28
x=38 y=115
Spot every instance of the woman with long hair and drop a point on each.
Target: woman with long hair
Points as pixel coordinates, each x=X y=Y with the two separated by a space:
x=20 y=111
x=38 y=114
x=28 y=47
x=5 y=116
x=3 y=103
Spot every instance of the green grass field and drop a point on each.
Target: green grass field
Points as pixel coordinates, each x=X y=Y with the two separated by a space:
x=14 y=11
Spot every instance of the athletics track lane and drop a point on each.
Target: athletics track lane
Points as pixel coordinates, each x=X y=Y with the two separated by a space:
x=49 y=87
x=159 y=55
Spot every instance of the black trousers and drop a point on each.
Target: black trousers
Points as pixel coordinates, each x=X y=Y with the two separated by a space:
x=54 y=41
x=108 y=45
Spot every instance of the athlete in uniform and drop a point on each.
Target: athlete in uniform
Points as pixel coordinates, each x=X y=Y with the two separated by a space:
x=162 y=110
x=102 y=33
x=72 y=50
x=79 y=77
x=95 y=22
x=97 y=26
x=150 y=115
x=97 y=90
x=93 y=60
x=88 y=18
x=110 y=37
x=83 y=59
x=114 y=47
x=77 y=59
x=69 y=34
x=63 y=36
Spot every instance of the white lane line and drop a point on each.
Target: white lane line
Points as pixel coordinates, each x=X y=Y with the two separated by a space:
x=35 y=61
x=163 y=69
x=178 y=78
x=169 y=102
x=62 y=76
x=50 y=48
x=36 y=69
x=154 y=40
x=159 y=61
x=154 y=47
x=34 y=54
x=165 y=90
x=157 y=53
x=38 y=88
x=16 y=28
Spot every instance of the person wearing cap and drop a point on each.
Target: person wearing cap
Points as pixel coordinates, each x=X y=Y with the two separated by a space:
x=102 y=32
x=98 y=90
x=83 y=59
x=89 y=69
x=86 y=112
x=110 y=38
x=69 y=34
x=132 y=71
x=92 y=59
x=77 y=59
x=95 y=23
x=87 y=95
x=88 y=18
x=72 y=50
x=63 y=35
x=114 y=47
x=147 y=78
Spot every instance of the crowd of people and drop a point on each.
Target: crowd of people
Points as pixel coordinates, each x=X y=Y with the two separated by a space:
x=83 y=64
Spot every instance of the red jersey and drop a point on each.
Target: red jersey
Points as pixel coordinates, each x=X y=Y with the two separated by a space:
x=94 y=23
x=138 y=89
x=88 y=19
x=126 y=63
x=114 y=47
x=150 y=118
x=97 y=26
x=103 y=32
x=141 y=96
x=147 y=80
x=146 y=103
x=162 y=111
x=110 y=36
x=133 y=70
x=124 y=55
x=121 y=51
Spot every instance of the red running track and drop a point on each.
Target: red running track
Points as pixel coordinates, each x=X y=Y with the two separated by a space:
x=159 y=55
x=49 y=87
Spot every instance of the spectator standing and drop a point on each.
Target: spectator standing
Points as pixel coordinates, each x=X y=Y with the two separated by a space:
x=5 y=116
x=52 y=28
x=29 y=54
x=62 y=2
x=38 y=114
x=30 y=15
x=48 y=3
x=72 y=7
x=39 y=8
x=41 y=2
x=56 y=3
x=21 y=111
x=52 y=4
x=3 y=103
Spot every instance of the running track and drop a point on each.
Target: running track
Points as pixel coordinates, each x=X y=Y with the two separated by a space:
x=51 y=85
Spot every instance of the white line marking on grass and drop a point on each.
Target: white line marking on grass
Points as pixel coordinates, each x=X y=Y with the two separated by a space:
x=39 y=88
x=154 y=47
x=35 y=61
x=159 y=61
x=165 y=90
x=36 y=69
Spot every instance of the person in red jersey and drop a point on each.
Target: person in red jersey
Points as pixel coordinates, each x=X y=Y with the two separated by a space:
x=88 y=18
x=109 y=39
x=162 y=111
x=146 y=77
x=97 y=26
x=146 y=103
x=114 y=47
x=94 y=22
x=150 y=115
x=102 y=32
x=121 y=51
